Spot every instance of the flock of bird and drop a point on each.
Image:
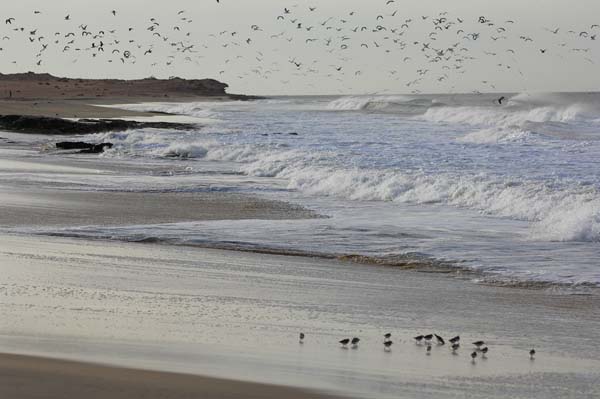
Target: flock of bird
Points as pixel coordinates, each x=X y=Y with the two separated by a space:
x=426 y=340
x=301 y=42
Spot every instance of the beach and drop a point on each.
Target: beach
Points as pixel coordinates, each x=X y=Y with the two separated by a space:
x=169 y=273
x=29 y=377
x=237 y=315
x=369 y=200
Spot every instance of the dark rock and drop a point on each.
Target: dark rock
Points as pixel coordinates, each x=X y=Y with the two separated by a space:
x=97 y=148
x=47 y=125
x=73 y=145
x=86 y=148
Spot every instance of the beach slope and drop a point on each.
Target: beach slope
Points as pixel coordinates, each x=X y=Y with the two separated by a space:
x=24 y=377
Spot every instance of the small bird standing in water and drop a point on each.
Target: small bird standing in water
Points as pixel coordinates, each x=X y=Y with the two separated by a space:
x=301 y=337
x=387 y=346
x=344 y=342
x=478 y=344
x=428 y=350
x=355 y=342
x=484 y=351
x=532 y=354
x=473 y=356
x=440 y=340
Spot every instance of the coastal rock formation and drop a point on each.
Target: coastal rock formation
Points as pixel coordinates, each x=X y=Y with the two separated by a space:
x=47 y=125
x=45 y=86
x=86 y=148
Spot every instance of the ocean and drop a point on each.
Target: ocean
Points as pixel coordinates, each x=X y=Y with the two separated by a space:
x=507 y=192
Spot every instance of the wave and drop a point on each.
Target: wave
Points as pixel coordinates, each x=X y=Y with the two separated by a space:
x=557 y=210
x=184 y=150
x=578 y=221
x=146 y=142
x=548 y=205
x=199 y=110
x=525 y=111
x=496 y=136
x=396 y=104
x=487 y=116
x=522 y=111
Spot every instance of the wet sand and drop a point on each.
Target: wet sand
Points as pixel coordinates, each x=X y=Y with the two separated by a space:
x=237 y=315
x=23 y=377
x=56 y=205
x=88 y=108
x=48 y=208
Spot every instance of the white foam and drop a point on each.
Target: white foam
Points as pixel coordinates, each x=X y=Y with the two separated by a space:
x=550 y=208
x=355 y=103
x=495 y=136
x=184 y=150
x=200 y=111
x=494 y=117
x=320 y=173
x=147 y=142
x=570 y=221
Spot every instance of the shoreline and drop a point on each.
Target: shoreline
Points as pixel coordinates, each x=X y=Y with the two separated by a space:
x=75 y=210
x=45 y=96
x=95 y=108
x=237 y=315
x=431 y=266
x=28 y=377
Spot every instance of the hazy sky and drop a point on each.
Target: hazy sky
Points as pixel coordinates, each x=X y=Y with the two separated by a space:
x=351 y=46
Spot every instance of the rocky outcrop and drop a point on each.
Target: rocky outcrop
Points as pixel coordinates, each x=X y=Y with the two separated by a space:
x=86 y=148
x=45 y=86
x=58 y=126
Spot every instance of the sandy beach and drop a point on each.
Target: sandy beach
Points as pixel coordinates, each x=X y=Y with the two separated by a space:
x=152 y=319
x=46 y=95
x=236 y=315
x=88 y=107
x=402 y=202
x=23 y=377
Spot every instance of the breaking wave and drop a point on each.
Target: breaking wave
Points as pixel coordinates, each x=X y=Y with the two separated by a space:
x=391 y=104
x=496 y=136
x=550 y=209
x=558 y=210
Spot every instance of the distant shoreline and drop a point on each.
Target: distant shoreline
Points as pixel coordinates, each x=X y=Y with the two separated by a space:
x=44 y=95
x=31 y=86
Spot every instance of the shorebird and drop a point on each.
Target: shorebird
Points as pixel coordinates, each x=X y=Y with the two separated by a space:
x=301 y=337
x=387 y=345
x=344 y=342
x=387 y=336
x=428 y=337
x=478 y=344
x=428 y=350
x=355 y=342
x=532 y=354
x=473 y=356
x=454 y=340
x=455 y=347
x=419 y=338
x=440 y=340
x=484 y=351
